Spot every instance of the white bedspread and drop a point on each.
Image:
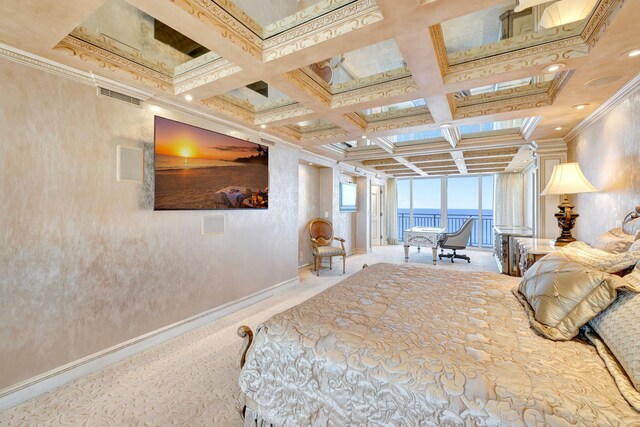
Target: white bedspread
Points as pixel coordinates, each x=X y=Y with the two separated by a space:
x=413 y=345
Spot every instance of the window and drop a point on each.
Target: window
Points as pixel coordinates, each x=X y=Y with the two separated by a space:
x=420 y=204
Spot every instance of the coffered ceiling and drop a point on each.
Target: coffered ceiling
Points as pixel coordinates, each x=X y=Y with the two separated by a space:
x=401 y=88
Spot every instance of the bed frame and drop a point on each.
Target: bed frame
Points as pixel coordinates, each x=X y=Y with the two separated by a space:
x=247 y=406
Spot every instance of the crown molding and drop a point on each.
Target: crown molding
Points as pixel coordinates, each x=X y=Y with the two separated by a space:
x=627 y=90
x=43 y=64
x=34 y=61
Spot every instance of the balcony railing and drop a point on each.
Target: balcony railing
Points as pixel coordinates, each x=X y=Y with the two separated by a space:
x=454 y=222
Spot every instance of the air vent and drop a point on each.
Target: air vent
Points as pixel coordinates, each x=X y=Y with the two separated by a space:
x=120 y=96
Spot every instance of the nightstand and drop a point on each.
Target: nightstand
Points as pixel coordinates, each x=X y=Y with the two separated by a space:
x=530 y=250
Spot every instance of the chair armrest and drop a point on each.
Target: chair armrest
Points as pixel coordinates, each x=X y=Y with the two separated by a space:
x=339 y=239
x=314 y=242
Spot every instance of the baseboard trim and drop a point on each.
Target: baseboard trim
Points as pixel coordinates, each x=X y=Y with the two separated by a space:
x=48 y=381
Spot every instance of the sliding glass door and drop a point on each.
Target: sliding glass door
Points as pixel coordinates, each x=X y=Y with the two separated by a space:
x=427 y=202
x=463 y=202
x=421 y=204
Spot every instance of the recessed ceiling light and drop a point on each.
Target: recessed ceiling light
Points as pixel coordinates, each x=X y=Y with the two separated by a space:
x=604 y=80
x=310 y=164
x=632 y=53
x=446 y=126
x=580 y=106
x=263 y=126
x=554 y=67
x=188 y=97
x=364 y=137
x=559 y=128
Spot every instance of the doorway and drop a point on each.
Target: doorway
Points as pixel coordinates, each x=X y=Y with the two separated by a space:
x=376 y=215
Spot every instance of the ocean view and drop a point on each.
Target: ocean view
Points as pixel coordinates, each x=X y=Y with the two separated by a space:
x=485 y=212
x=165 y=162
x=455 y=219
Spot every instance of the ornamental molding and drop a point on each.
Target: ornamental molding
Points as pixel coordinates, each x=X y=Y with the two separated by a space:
x=404 y=122
x=395 y=113
x=326 y=27
x=142 y=71
x=504 y=106
x=109 y=61
x=377 y=91
x=204 y=75
x=282 y=113
x=306 y=28
x=528 y=50
x=499 y=95
x=305 y=82
x=516 y=43
x=356 y=120
x=221 y=106
x=223 y=23
x=332 y=133
x=507 y=100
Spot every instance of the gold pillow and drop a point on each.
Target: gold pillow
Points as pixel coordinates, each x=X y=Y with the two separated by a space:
x=560 y=296
x=615 y=241
x=608 y=262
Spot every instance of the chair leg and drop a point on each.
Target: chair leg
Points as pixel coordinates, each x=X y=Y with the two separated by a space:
x=330 y=263
x=344 y=264
x=317 y=266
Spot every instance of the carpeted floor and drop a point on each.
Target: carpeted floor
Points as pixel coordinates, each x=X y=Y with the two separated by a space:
x=191 y=380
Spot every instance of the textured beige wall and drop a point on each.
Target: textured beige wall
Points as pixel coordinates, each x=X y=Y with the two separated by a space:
x=609 y=154
x=85 y=263
x=308 y=209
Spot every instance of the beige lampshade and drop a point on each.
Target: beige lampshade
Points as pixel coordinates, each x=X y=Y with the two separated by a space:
x=525 y=4
x=566 y=12
x=567 y=178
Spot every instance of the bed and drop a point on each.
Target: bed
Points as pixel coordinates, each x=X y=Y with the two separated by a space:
x=415 y=345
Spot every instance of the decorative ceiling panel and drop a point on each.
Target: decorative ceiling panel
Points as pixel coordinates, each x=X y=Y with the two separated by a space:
x=378 y=162
x=488 y=160
x=517 y=45
x=430 y=157
x=436 y=165
x=498 y=152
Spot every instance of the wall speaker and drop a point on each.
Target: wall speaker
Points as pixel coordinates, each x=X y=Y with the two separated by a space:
x=213 y=224
x=129 y=164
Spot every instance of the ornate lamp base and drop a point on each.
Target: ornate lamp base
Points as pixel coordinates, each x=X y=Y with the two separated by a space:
x=566 y=220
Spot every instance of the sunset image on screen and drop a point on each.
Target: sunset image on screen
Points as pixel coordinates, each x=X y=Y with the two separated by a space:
x=200 y=169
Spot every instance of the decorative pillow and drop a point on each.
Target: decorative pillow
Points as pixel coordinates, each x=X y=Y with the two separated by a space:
x=633 y=279
x=619 y=328
x=620 y=377
x=615 y=241
x=608 y=262
x=632 y=227
x=560 y=295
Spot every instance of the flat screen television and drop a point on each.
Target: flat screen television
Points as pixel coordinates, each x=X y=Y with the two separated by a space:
x=348 y=197
x=197 y=168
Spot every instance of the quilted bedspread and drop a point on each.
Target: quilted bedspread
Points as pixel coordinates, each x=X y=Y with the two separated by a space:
x=414 y=345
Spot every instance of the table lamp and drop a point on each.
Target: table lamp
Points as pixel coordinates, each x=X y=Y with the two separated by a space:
x=566 y=178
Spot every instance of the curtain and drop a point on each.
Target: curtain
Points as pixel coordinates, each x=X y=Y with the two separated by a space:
x=508 y=199
x=392 y=212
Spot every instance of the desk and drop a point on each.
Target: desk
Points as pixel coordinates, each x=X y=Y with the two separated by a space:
x=422 y=236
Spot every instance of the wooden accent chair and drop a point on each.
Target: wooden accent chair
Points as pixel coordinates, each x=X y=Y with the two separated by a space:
x=321 y=233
